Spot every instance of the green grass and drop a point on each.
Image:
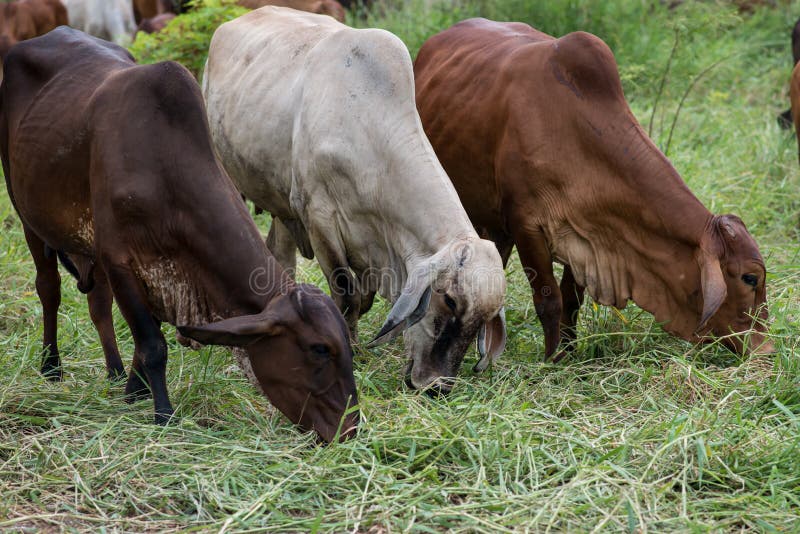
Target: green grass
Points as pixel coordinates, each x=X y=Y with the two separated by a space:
x=638 y=432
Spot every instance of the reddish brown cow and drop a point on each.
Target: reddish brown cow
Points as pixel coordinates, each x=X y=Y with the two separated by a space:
x=26 y=19
x=546 y=155
x=794 y=93
x=110 y=165
x=785 y=118
x=320 y=7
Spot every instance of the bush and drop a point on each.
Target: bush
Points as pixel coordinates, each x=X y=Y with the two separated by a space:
x=187 y=37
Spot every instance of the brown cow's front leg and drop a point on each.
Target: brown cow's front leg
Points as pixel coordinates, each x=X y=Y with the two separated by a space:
x=100 y=300
x=150 y=353
x=572 y=298
x=538 y=264
x=48 y=287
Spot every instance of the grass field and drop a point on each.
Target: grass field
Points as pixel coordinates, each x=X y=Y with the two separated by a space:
x=637 y=432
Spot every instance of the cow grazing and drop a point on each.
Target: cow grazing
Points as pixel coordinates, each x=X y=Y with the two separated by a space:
x=794 y=93
x=26 y=19
x=131 y=195
x=320 y=7
x=155 y=24
x=785 y=118
x=546 y=155
x=111 y=20
x=334 y=149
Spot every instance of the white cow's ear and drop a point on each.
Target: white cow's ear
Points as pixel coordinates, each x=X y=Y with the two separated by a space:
x=409 y=309
x=491 y=340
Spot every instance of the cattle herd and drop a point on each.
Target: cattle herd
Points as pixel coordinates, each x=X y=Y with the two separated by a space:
x=411 y=181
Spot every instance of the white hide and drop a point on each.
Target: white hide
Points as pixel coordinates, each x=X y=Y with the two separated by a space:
x=316 y=122
x=111 y=20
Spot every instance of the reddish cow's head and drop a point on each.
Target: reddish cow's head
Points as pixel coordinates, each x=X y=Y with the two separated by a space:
x=300 y=354
x=734 y=293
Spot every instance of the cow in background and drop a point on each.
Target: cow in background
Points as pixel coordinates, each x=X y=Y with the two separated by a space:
x=147 y=9
x=546 y=155
x=320 y=7
x=111 y=20
x=155 y=24
x=785 y=118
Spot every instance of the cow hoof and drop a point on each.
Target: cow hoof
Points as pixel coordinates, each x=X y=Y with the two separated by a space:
x=560 y=355
x=164 y=418
x=52 y=372
x=136 y=389
x=116 y=375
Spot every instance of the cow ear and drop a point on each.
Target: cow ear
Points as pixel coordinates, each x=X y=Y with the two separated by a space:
x=491 y=340
x=236 y=331
x=714 y=288
x=409 y=309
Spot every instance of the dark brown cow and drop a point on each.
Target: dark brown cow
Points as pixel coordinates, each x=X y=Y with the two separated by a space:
x=546 y=155
x=155 y=24
x=147 y=9
x=320 y=7
x=26 y=19
x=785 y=118
x=110 y=165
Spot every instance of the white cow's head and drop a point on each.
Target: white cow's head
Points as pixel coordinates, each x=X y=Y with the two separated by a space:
x=449 y=299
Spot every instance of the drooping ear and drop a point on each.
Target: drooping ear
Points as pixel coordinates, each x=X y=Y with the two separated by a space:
x=491 y=340
x=713 y=284
x=236 y=331
x=409 y=309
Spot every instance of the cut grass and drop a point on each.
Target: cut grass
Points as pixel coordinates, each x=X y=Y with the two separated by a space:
x=637 y=432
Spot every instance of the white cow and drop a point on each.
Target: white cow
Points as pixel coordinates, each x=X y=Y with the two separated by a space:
x=107 y=19
x=316 y=122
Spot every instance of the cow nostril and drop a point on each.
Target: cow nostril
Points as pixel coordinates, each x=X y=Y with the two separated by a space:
x=437 y=391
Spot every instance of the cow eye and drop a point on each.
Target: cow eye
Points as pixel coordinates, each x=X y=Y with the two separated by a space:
x=750 y=279
x=450 y=303
x=320 y=350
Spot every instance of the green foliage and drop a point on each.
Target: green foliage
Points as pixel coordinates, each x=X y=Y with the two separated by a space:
x=636 y=432
x=187 y=37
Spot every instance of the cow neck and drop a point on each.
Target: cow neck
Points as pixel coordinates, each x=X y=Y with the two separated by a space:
x=636 y=239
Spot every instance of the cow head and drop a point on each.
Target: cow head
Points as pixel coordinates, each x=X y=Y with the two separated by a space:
x=300 y=353
x=452 y=297
x=732 y=276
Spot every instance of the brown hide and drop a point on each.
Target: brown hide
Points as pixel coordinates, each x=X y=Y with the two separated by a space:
x=110 y=166
x=794 y=95
x=26 y=19
x=320 y=7
x=155 y=24
x=545 y=154
x=147 y=9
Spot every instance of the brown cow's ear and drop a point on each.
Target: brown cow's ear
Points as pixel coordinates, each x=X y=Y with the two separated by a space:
x=713 y=284
x=491 y=340
x=236 y=331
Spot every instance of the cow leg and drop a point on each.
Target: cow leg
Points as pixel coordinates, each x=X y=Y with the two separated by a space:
x=281 y=243
x=538 y=265
x=572 y=298
x=100 y=299
x=785 y=120
x=150 y=353
x=48 y=287
x=347 y=297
